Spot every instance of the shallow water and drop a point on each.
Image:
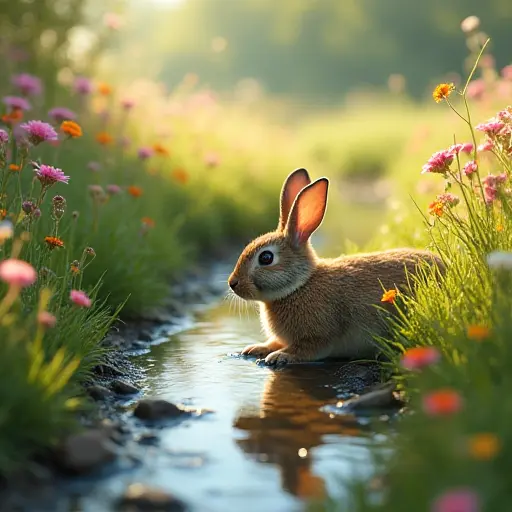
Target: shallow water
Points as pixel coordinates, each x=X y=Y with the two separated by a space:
x=272 y=442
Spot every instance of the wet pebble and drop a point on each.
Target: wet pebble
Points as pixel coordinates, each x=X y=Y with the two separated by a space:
x=81 y=453
x=98 y=393
x=139 y=497
x=145 y=335
x=121 y=387
x=148 y=438
x=383 y=397
x=157 y=410
x=108 y=370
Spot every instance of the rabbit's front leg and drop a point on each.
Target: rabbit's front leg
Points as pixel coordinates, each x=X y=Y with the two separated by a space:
x=299 y=352
x=263 y=349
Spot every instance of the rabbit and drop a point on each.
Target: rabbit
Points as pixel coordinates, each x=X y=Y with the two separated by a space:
x=313 y=308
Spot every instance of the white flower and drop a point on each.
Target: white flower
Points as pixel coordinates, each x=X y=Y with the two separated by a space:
x=500 y=259
x=6 y=231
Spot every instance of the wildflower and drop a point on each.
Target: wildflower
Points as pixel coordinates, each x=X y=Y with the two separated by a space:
x=475 y=89
x=113 y=189
x=181 y=176
x=470 y=24
x=159 y=149
x=39 y=131
x=448 y=199
x=14 y=168
x=478 y=332
x=28 y=207
x=16 y=103
x=442 y=91
x=506 y=72
x=53 y=242
x=94 y=166
x=29 y=85
x=389 y=296
x=470 y=168
x=145 y=153
x=6 y=231
x=499 y=228
x=212 y=159
x=49 y=175
x=127 y=103
x=71 y=128
x=104 y=138
x=58 y=207
x=491 y=127
x=135 y=191
x=439 y=162
x=17 y=273
x=442 y=402
x=61 y=114
x=82 y=85
x=90 y=251
x=457 y=500
x=75 y=267
x=148 y=222
x=4 y=137
x=485 y=146
x=37 y=213
x=500 y=259
x=436 y=208
x=80 y=298
x=419 y=357
x=465 y=147
x=484 y=446
x=104 y=89
x=13 y=117
x=46 y=319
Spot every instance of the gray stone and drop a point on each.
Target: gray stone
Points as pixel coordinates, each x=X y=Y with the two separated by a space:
x=139 y=497
x=145 y=335
x=157 y=410
x=383 y=397
x=122 y=387
x=98 y=393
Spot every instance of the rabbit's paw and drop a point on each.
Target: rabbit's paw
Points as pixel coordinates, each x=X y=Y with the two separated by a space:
x=259 y=350
x=279 y=358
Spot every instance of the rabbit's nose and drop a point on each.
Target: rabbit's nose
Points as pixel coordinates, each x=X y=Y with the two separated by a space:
x=233 y=283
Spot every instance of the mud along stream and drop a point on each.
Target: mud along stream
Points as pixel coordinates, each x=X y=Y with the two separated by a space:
x=274 y=439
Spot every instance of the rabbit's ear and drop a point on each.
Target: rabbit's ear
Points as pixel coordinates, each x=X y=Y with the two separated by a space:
x=295 y=182
x=307 y=212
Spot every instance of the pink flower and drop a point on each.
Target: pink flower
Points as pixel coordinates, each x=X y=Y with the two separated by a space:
x=476 y=89
x=420 y=357
x=439 y=162
x=16 y=103
x=46 y=319
x=465 y=147
x=491 y=127
x=457 y=500
x=506 y=72
x=39 y=131
x=127 y=103
x=112 y=20
x=94 y=166
x=4 y=137
x=29 y=85
x=17 y=273
x=211 y=159
x=145 y=153
x=492 y=180
x=485 y=146
x=60 y=114
x=470 y=168
x=490 y=194
x=113 y=189
x=82 y=85
x=80 y=299
x=448 y=199
x=49 y=175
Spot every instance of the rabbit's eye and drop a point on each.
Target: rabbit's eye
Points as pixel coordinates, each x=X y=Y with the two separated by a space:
x=265 y=258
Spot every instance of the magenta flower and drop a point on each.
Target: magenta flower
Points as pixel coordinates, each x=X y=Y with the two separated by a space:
x=485 y=146
x=17 y=273
x=49 y=175
x=506 y=72
x=80 y=299
x=439 y=162
x=470 y=168
x=145 y=153
x=127 y=103
x=476 y=89
x=465 y=147
x=4 y=137
x=60 y=114
x=16 y=103
x=82 y=85
x=46 y=319
x=94 y=166
x=113 y=189
x=457 y=500
x=29 y=85
x=492 y=127
x=39 y=131
x=448 y=199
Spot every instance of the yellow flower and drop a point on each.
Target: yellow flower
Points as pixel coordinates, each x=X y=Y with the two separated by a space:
x=442 y=91
x=484 y=446
x=389 y=296
x=499 y=228
x=71 y=128
x=104 y=89
x=478 y=332
x=436 y=208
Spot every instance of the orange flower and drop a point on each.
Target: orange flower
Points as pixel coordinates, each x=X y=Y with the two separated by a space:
x=389 y=296
x=180 y=175
x=53 y=242
x=3 y=214
x=484 y=446
x=12 y=117
x=14 y=168
x=160 y=150
x=148 y=222
x=499 y=228
x=71 y=128
x=104 y=138
x=442 y=91
x=436 y=208
x=442 y=402
x=419 y=357
x=75 y=269
x=104 y=89
x=478 y=332
x=135 y=191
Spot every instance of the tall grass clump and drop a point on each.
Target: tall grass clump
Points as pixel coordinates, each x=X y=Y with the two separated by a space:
x=451 y=347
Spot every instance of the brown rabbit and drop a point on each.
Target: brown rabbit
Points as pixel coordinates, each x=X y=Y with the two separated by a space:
x=312 y=308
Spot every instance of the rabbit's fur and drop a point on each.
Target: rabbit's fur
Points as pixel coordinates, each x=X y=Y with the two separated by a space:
x=312 y=308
